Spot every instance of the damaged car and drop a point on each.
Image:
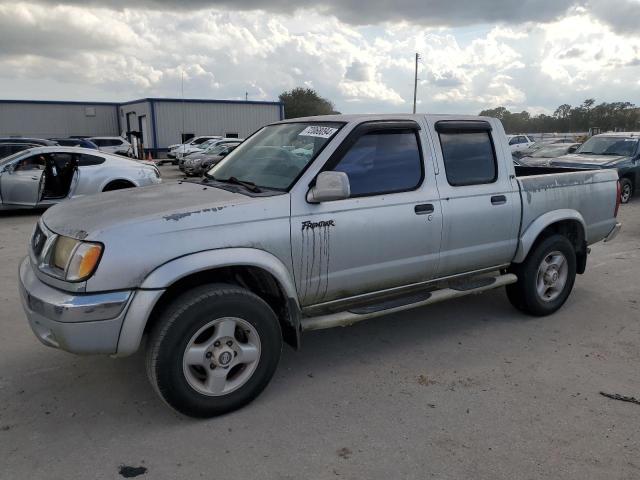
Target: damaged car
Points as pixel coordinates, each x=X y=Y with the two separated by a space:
x=43 y=176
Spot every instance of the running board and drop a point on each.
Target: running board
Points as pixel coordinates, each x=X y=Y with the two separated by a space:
x=344 y=319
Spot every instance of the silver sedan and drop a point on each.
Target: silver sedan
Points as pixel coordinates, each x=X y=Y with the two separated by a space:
x=43 y=176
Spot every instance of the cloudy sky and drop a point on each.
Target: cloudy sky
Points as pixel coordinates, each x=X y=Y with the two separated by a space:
x=476 y=54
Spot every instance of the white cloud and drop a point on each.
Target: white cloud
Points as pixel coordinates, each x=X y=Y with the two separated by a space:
x=74 y=52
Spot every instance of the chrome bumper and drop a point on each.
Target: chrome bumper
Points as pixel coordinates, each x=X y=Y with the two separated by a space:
x=77 y=323
x=614 y=232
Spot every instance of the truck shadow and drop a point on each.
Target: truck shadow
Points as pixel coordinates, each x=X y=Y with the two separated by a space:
x=100 y=389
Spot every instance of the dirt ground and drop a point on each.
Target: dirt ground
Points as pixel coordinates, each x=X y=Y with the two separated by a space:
x=469 y=389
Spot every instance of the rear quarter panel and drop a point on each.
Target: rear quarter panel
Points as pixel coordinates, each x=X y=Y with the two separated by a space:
x=592 y=194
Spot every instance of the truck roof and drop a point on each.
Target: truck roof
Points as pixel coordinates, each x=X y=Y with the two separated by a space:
x=379 y=116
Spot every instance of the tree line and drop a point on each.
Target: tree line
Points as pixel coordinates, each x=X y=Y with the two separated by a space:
x=615 y=116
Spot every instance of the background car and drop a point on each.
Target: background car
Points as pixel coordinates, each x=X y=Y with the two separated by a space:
x=29 y=140
x=75 y=142
x=116 y=145
x=210 y=145
x=519 y=142
x=7 y=149
x=200 y=163
x=180 y=148
x=43 y=176
x=543 y=156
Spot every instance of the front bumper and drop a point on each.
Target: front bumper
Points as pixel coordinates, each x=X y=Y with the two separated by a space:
x=77 y=323
x=614 y=232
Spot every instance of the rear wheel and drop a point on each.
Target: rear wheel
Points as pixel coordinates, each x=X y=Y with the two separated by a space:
x=545 y=278
x=626 y=190
x=214 y=350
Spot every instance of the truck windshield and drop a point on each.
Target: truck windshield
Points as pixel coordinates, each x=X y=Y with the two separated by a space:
x=609 y=146
x=275 y=156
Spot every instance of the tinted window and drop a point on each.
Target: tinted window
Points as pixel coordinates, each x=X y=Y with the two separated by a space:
x=469 y=158
x=513 y=141
x=85 y=160
x=383 y=162
x=198 y=141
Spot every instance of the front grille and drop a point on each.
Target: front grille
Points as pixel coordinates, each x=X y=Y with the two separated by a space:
x=38 y=241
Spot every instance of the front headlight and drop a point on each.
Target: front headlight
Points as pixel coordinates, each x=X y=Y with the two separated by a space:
x=73 y=260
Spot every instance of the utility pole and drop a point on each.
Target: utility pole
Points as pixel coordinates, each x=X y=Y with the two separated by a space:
x=415 y=84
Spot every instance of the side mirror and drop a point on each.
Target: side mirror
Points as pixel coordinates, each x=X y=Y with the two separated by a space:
x=329 y=186
x=9 y=168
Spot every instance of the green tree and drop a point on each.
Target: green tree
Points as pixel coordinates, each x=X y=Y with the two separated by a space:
x=304 y=102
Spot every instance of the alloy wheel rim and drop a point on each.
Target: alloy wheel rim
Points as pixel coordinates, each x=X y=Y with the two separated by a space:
x=221 y=356
x=626 y=193
x=552 y=276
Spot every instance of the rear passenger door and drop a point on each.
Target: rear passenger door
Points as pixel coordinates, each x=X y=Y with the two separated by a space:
x=480 y=200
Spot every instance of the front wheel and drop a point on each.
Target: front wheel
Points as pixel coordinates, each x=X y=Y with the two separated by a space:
x=213 y=350
x=545 y=278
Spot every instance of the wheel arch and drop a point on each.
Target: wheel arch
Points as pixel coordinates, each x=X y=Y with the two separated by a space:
x=116 y=181
x=569 y=223
x=258 y=271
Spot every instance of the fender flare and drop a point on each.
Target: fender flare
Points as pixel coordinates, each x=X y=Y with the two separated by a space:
x=174 y=270
x=536 y=227
x=155 y=284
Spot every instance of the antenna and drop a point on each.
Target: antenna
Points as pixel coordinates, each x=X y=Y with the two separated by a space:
x=415 y=83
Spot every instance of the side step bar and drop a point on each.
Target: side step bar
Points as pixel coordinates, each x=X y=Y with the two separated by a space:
x=344 y=319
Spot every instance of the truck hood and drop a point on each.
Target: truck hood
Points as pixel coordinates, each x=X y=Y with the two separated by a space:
x=587 y=161
x=88 y=216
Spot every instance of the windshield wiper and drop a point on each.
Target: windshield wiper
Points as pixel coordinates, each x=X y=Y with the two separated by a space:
x=252 y=187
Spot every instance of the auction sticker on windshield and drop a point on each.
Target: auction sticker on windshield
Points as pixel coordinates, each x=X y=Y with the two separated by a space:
x=317 y=131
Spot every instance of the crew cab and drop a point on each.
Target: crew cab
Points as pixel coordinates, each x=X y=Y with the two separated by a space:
x=370 y=216
x=619 y=151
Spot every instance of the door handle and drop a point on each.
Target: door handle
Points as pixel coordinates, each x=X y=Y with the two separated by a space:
x=424 y=209
x=498 y=200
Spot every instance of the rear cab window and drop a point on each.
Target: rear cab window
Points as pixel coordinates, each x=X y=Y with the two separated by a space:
x=468 y=152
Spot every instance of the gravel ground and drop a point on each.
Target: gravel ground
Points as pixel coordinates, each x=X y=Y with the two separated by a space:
x=469 y=389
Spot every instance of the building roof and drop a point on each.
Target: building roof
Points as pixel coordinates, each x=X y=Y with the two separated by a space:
x=142 y=100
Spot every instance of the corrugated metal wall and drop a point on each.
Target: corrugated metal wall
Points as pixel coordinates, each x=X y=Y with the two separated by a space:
x=45 y=120
x=210 y=119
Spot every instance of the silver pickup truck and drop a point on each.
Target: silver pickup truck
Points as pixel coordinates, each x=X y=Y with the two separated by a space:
x=310 y=223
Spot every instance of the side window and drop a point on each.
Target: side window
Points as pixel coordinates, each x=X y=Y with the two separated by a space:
x=383 y=162
x=34 y=162
x=85 y=160
x=522 y=140
x=99 y=142
x=513 y=141
x=469 y=158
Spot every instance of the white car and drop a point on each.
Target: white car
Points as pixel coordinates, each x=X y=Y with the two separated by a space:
x=519 y=142
x=116 y=145
x=43 y=176
x=181 y=148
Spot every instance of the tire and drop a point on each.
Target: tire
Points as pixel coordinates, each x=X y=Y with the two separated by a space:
x=184 y=327
x=626 y=190
x=534 y=277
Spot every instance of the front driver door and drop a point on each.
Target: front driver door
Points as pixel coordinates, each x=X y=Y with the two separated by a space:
x=386 y=235
x=21 y=183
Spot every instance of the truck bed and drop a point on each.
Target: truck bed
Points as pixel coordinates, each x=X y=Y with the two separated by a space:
x=546 y=190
